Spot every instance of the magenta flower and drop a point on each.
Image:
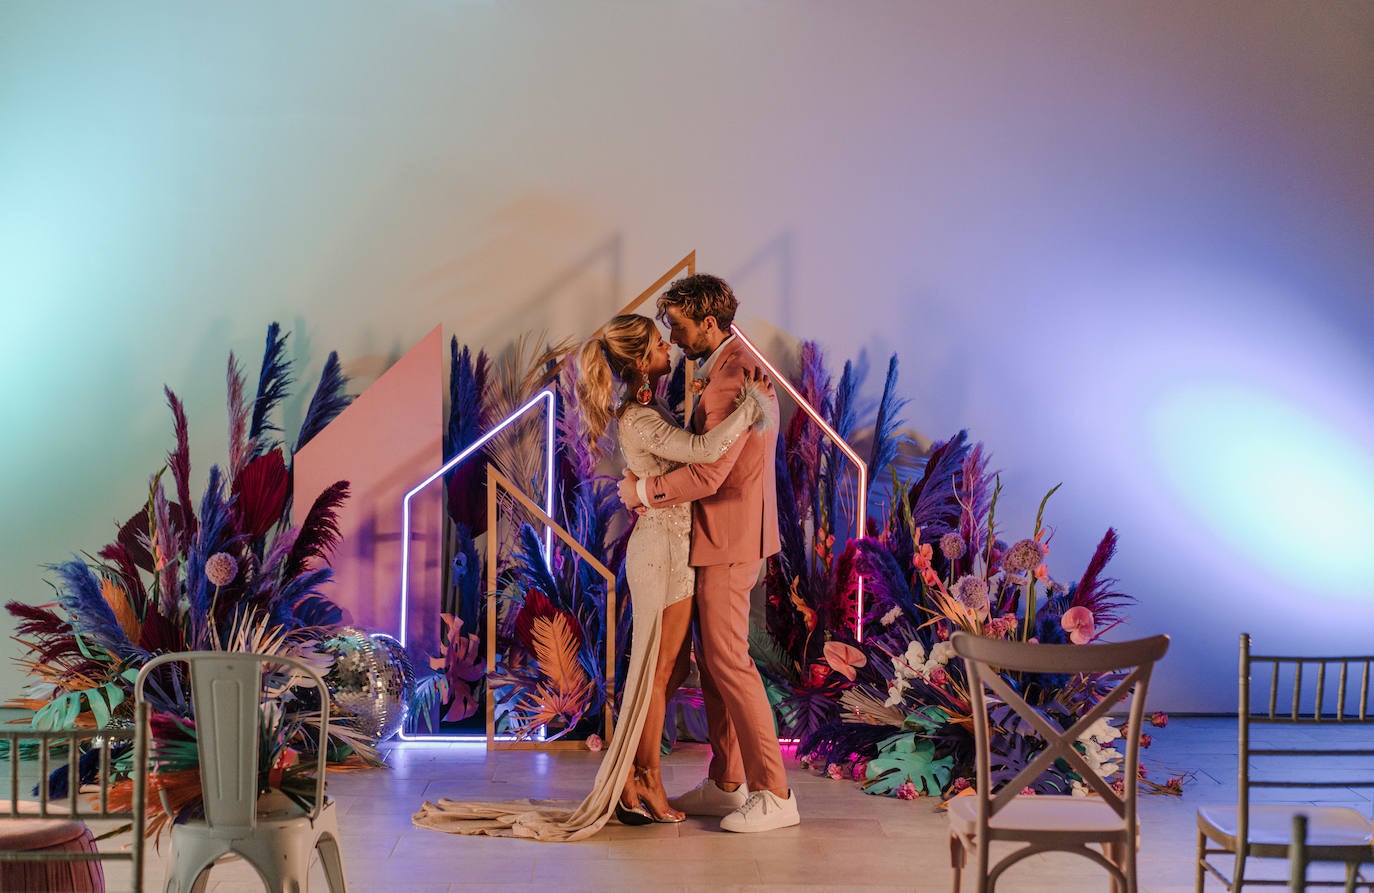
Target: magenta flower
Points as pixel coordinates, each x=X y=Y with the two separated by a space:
x=860 y=770
x=1078 y=620
x=938 y=676
x=907 y=791
x=1159 y=719
x=961 y=783
x=594 y=742
x=835 y=770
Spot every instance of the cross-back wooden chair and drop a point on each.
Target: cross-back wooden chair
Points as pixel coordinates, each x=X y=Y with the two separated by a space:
x=1044 y=823
x=62 y=819
x=1296 y=735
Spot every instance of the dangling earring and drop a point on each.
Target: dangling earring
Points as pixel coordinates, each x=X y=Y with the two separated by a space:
x=644 y=396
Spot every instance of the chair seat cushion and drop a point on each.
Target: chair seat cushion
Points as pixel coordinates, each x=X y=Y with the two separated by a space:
x=1273 y=825
x=1088 y=816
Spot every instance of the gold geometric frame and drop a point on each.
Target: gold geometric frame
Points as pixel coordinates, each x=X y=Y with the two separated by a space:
x=497 y=481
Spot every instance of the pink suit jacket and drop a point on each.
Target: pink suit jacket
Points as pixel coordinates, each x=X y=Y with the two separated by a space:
x=734 y=499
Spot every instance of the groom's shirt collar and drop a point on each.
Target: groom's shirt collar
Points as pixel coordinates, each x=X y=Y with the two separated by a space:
x=704 y=368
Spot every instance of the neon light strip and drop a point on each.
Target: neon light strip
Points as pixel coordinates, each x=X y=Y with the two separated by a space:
x=545 y=395
x=862 y=466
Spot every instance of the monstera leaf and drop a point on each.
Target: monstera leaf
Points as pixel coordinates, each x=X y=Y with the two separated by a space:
x=905 y=757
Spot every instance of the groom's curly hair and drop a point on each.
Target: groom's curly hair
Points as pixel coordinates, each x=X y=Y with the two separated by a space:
x=699 y=296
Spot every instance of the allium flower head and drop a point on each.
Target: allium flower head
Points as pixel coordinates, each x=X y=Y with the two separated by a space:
x=1023 y=556
x=971 y=592
x=221 y=568
x=952 y=546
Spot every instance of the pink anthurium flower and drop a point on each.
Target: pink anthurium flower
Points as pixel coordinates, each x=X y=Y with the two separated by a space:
x=844 y=659
x=1078 y=620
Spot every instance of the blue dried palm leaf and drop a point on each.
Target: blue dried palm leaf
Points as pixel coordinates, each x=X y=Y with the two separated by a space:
x=281 y=606
x=887 y=439
x=529 y=564
x=79 y=594
x=328 y=401
x=465 y=486
x=933 y=508
x=675 y=391
x=467 y=577
x=835 y=741
x=843 y=419
x=273 y=380
x=215 y=535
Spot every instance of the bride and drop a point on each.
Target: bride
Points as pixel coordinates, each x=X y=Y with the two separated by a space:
x=619 y=370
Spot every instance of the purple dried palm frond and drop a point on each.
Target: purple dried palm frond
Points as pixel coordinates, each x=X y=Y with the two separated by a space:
x=179 y=461
x=119 y=561
x=328 y=401
x=1096 y=592
x=38 y=621
x=577 y=454
x=932 y=499
x=974 y=489
x=803 y=438
x=240 y=448
x=319 y=532
x=885 y=583
x=80 y=595
x=273 y=379
x=168 y=576
x=264 y=576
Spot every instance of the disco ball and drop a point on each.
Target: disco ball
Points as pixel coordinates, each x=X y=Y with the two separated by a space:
x=371 y=679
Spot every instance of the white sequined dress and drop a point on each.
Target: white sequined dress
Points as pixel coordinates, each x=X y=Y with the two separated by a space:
x=658 y=574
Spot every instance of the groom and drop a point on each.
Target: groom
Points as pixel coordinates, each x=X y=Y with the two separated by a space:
x=734 y=529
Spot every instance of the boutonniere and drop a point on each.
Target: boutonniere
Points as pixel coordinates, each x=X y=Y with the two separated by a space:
x=699 y=384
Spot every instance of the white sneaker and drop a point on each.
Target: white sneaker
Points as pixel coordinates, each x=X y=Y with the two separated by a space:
x=763 y=811
x=709 y=798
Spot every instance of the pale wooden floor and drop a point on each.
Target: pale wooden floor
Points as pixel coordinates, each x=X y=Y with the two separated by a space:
x=847 y=840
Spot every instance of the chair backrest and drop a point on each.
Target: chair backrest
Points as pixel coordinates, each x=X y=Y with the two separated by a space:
x=227 y=700
x=987 y=659
x=75 y=747
x=1308 y=693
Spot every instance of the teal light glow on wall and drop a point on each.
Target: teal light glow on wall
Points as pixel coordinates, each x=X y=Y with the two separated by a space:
x=1282 y=486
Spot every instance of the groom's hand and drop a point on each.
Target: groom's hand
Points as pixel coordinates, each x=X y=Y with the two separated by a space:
x=629 y=494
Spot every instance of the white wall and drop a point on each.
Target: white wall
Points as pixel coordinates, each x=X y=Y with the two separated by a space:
x=1127 y=244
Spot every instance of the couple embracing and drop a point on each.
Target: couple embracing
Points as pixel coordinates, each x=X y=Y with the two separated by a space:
x=708 y=520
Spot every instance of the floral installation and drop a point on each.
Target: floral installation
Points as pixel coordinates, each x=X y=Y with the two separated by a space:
x=233 y=574
x=890 y=712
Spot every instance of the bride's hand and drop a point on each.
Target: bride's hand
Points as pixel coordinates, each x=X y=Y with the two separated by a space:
x=760 y=378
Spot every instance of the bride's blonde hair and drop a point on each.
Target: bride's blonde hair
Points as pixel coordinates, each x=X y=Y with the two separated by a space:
x=604 y=360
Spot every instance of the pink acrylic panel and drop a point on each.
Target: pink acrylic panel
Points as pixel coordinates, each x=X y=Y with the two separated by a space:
x=389 y=438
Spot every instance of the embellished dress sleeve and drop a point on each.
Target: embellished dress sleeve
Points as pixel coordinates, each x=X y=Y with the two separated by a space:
x=666 y=440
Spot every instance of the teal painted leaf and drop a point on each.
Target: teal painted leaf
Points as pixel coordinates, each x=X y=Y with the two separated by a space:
x=906 y=757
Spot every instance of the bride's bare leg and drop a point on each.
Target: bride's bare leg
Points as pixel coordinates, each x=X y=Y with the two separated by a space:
x=677 y=619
